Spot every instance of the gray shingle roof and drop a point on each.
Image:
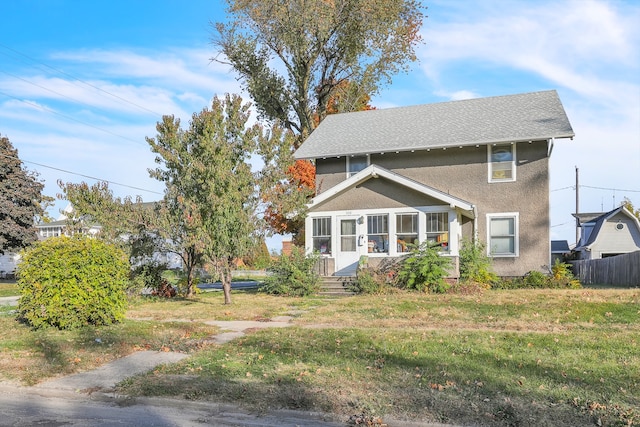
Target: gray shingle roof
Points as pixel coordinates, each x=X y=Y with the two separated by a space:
x=522 y=117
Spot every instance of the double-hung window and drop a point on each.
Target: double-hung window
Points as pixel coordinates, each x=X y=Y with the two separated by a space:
x=406 y=231
x=502 y=163
x=378 y=233
x=322 y=235
x=355 y=164
x=503 y=235
x=438 y=229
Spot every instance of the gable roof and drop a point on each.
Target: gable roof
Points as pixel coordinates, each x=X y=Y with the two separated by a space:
x=600 y=220
x=375 y=171
x=524 y=117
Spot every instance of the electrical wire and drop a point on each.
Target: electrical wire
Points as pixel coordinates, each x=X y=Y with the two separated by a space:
x=79 y=80
x=80 y=174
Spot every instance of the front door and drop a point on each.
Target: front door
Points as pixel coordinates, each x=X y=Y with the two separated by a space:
x=348 y=252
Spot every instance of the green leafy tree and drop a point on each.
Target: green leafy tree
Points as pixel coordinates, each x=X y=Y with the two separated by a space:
x=131 y=225
x=21 y=200
x=303 y=59
x=210 y=202
x=295 y=56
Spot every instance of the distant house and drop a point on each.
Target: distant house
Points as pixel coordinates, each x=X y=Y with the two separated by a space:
x=59 y=227
x=607 y=234
x=444 y=173
x=8 y=263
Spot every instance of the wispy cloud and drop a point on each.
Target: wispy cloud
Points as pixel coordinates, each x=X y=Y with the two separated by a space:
x=92 y=118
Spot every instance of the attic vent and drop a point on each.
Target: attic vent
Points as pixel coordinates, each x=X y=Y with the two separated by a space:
x=619 y=226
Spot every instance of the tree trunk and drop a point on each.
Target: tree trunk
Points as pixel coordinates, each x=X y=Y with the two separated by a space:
x=226 y=284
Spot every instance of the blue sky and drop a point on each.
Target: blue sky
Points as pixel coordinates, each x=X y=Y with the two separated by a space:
x=83 y=82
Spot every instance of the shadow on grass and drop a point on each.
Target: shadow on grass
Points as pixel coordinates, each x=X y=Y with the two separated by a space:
x=437 y=377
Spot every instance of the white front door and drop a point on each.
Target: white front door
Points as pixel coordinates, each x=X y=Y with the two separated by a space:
x=348 y=252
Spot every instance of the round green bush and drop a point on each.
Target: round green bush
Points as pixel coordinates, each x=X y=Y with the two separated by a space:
x=72 y=282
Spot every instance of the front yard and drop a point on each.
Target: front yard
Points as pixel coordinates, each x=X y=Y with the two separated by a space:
x=518 y=357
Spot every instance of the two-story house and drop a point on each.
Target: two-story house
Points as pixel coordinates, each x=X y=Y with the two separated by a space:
x=444 y=172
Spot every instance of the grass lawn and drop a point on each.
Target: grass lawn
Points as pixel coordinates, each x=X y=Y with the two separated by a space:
x=543 y=357
x=8 y=288
x=502 y=358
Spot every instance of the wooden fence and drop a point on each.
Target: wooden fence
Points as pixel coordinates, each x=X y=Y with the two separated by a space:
x=620 y=270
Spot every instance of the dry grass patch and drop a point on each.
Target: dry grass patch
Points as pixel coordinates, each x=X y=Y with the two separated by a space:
x=247 y=305
x=548 y=357
x=28 y=356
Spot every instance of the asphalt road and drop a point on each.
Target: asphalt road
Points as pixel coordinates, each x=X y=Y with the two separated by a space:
x=217 y=286
x=18 y=409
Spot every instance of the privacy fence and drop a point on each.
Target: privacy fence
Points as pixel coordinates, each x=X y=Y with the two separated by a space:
x=620 y=270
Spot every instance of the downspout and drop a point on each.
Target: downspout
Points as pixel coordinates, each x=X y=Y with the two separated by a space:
x=475 y=223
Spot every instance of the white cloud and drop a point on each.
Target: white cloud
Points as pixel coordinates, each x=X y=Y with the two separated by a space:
x=588 y=50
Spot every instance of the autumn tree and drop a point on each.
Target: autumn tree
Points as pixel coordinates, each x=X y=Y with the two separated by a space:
x=629 y=205
x=210 y=201
x=20 y=200
x=294 y=56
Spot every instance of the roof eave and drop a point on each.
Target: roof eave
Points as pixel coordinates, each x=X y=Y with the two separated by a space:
x=434 y=147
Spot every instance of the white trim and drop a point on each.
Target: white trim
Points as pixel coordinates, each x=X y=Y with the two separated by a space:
x=516 y=243
x=455 y=227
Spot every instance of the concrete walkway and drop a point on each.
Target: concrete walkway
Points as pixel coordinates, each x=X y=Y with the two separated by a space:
x=9 y=301
x=105 y=378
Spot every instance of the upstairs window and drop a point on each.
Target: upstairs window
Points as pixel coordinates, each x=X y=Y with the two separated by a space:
x=502 y=163
x=322 y=235
x=438 y=229
x=355 y=164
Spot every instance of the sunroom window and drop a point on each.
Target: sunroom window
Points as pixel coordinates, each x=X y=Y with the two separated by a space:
x=438 y=229
x=406 y=231
x=502 y=165
x=322 y=235
x=378 y=233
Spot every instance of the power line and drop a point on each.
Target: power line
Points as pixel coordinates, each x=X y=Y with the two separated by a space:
x=77 y=101
x=611 y=189
x=573 y=187
x=80 y=174
x=81 y=81
x=49 y=110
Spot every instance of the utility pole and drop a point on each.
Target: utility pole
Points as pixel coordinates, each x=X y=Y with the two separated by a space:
x=577 y=208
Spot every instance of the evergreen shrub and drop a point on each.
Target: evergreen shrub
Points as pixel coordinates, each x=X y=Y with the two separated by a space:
x=70 y=282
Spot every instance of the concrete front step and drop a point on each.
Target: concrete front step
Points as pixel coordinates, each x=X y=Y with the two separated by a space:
x=336 y=285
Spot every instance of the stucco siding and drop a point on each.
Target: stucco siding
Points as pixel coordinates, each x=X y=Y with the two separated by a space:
x=375 y=194
x=463 y=173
